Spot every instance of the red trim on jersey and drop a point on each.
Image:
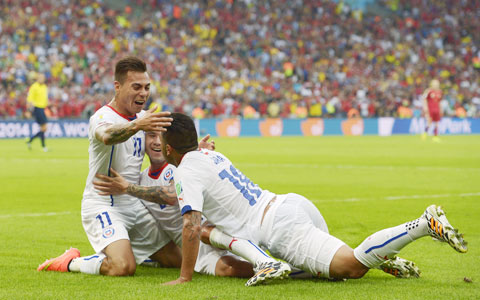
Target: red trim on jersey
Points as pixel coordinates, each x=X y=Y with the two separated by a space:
x=233 y=240
x=129 y=118
x=156 y=173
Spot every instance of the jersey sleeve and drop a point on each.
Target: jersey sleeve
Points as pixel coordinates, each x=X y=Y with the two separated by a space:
x=100 y=118
x=189 y=186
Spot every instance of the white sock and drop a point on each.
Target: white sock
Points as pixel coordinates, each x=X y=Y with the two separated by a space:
x=384 y=244
x=243 y=248
x=87 y=264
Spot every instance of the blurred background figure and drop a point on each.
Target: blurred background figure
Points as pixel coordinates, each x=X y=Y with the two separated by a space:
x=38 y=100
x=431 y=104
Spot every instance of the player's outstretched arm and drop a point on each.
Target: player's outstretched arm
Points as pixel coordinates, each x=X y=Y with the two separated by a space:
x=117 y=185
x=190 y=244
x=119 y=133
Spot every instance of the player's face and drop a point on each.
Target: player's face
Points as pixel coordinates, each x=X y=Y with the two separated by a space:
x=153 y=147
x=168 y=156
x=133 y=93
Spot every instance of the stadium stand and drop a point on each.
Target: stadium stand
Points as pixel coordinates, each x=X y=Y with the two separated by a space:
x=262 y=58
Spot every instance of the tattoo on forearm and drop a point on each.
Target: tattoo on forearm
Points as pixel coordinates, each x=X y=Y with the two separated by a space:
x=192 y=226
x=120 y=133
x=156 y=194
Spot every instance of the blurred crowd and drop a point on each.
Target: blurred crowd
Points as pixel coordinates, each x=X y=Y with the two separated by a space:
x=222 y=58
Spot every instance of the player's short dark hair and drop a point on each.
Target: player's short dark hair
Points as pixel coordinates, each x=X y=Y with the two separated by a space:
x=129 y=63
x=181 y=135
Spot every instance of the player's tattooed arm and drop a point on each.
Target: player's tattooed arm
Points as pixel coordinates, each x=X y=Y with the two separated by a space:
x=115 y=134
x=192 y=224
x=111 y=134
x=156 y=194
x=117 y=185
x=190 y=241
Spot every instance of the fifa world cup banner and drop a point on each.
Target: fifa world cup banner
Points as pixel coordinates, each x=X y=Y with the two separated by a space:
x=269 y=127
x=234 y=127
x=263 y=127
x=389 y=126
x=55 y=129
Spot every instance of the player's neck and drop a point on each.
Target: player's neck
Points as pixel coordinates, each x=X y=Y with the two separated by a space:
x=176 y=158
x=114 y=104
x=157 y=165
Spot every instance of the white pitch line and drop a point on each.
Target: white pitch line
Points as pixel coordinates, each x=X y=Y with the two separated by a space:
x=377 y=167
x=403 y=197
x=48 y=214
x=388 y=198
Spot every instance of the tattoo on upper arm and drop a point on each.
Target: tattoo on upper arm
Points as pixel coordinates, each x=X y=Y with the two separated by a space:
x=192 y=225
x=118 y=133
x=157 y=194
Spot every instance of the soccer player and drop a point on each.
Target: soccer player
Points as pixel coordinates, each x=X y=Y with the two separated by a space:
x=210 y=261
x=120 y=229
x=289 y=226
x=38 y=99
x=431 y=106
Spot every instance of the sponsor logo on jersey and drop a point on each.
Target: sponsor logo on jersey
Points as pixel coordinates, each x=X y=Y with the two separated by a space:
x=108 y=232
x=178 y=188
x=168 y=175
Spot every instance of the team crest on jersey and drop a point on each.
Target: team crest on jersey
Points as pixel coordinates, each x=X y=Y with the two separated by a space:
x=178 y=188
x=108 y=232
x=168 y=175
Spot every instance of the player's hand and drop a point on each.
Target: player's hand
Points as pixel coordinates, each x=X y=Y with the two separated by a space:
x=180 y=280
x=114 y=185
x=204 y=143
x=152 y=121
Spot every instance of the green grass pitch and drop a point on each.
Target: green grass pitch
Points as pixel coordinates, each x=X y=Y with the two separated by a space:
x=360 y=185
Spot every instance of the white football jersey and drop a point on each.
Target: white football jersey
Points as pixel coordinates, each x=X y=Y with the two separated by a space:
x=206 y=181
x=167 y=216
x=126 y=158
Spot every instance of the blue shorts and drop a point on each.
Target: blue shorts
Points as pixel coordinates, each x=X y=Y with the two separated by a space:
x=39 y=114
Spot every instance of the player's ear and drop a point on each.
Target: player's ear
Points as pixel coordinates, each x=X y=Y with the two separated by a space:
x=116 y=85
x=169 y=149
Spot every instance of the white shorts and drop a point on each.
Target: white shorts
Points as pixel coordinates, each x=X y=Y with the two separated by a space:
x=298 y=234
x=105 y=224
x=171 y=223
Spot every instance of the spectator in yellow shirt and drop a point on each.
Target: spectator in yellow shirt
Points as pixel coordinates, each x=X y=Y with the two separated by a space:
x=38 y=99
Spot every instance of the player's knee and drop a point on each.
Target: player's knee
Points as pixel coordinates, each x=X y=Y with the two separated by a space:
x=349 y=271
x=205 y=234
x=122 y=267
x=356 y=272
x=228 y=266
x=225 y=270
x=345 y=265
